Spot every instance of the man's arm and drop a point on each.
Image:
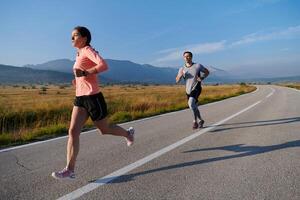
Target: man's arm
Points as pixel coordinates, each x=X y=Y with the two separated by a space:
x=206 y=73
x=179 y=75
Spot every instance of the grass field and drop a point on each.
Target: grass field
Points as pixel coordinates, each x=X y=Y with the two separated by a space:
x=292 y=85
x=31 y=113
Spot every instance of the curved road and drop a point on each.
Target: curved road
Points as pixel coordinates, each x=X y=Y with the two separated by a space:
x=248 y=149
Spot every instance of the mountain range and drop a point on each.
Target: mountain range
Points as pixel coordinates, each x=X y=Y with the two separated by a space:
x=120 y=71
x=123 y=71
x=26 y=75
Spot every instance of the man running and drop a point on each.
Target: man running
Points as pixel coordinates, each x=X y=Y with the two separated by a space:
x=191 y=73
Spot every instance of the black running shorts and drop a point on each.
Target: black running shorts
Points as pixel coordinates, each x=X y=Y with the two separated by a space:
x=94 y=104
x=195 y=93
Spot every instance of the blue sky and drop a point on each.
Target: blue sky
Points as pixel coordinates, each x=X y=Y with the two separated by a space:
x=227 y=34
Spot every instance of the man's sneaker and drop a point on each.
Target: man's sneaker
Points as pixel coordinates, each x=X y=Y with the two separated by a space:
x=130 y=138
x=195 y=125
x=64 y=174
x=201 y=123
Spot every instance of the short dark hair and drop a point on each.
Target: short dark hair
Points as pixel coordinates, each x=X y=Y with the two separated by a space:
x=84 y=32
x=188 y=53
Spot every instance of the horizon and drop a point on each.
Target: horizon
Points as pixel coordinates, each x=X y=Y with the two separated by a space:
x=214 y=70
x=258 y=37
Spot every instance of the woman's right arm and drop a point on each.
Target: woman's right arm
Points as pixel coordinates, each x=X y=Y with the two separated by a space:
x=96 y=58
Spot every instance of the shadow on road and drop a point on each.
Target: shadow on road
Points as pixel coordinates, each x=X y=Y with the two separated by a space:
x=241 y=149
x=256 y=124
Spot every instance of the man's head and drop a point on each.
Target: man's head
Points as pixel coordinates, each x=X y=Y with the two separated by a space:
x=188 y=56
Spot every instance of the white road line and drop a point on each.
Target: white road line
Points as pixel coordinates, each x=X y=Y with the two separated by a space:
x=139 y=120
x=106 y=179
x=273 y=90
x=35 y=143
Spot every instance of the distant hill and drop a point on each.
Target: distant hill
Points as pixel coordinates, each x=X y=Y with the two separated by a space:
x=220 y=76
x=122 y=71
x=25 y=75
x=12 y=74
x=59 y=65
x=274 y=80
x=119 y=71
x=127 y=71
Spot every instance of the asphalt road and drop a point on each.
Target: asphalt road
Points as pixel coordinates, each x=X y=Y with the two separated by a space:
x=248 y=149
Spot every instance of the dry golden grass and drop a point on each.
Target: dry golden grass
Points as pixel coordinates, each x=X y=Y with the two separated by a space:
x=292 y=85
x=24 y=98
x=29 y=113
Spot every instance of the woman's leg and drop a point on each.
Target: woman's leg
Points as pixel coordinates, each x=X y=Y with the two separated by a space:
x=78 y=119
x=112 y=129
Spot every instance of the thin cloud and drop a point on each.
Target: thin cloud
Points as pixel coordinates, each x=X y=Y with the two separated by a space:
x=255 y=37
x=251 y=5
x=176 y=53
x=164 y=51
x=285 y=49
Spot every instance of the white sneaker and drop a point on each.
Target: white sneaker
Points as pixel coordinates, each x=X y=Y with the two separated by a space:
x=130 y=138
x=63 y=174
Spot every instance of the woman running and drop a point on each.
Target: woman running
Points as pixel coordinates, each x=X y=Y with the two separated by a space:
x=89 y=101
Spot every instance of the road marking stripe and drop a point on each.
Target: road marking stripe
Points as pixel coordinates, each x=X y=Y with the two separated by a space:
x=106 y=179
x=270 y=93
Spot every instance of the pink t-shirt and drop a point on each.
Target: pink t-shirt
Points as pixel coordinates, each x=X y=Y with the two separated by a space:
x=88 y=58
